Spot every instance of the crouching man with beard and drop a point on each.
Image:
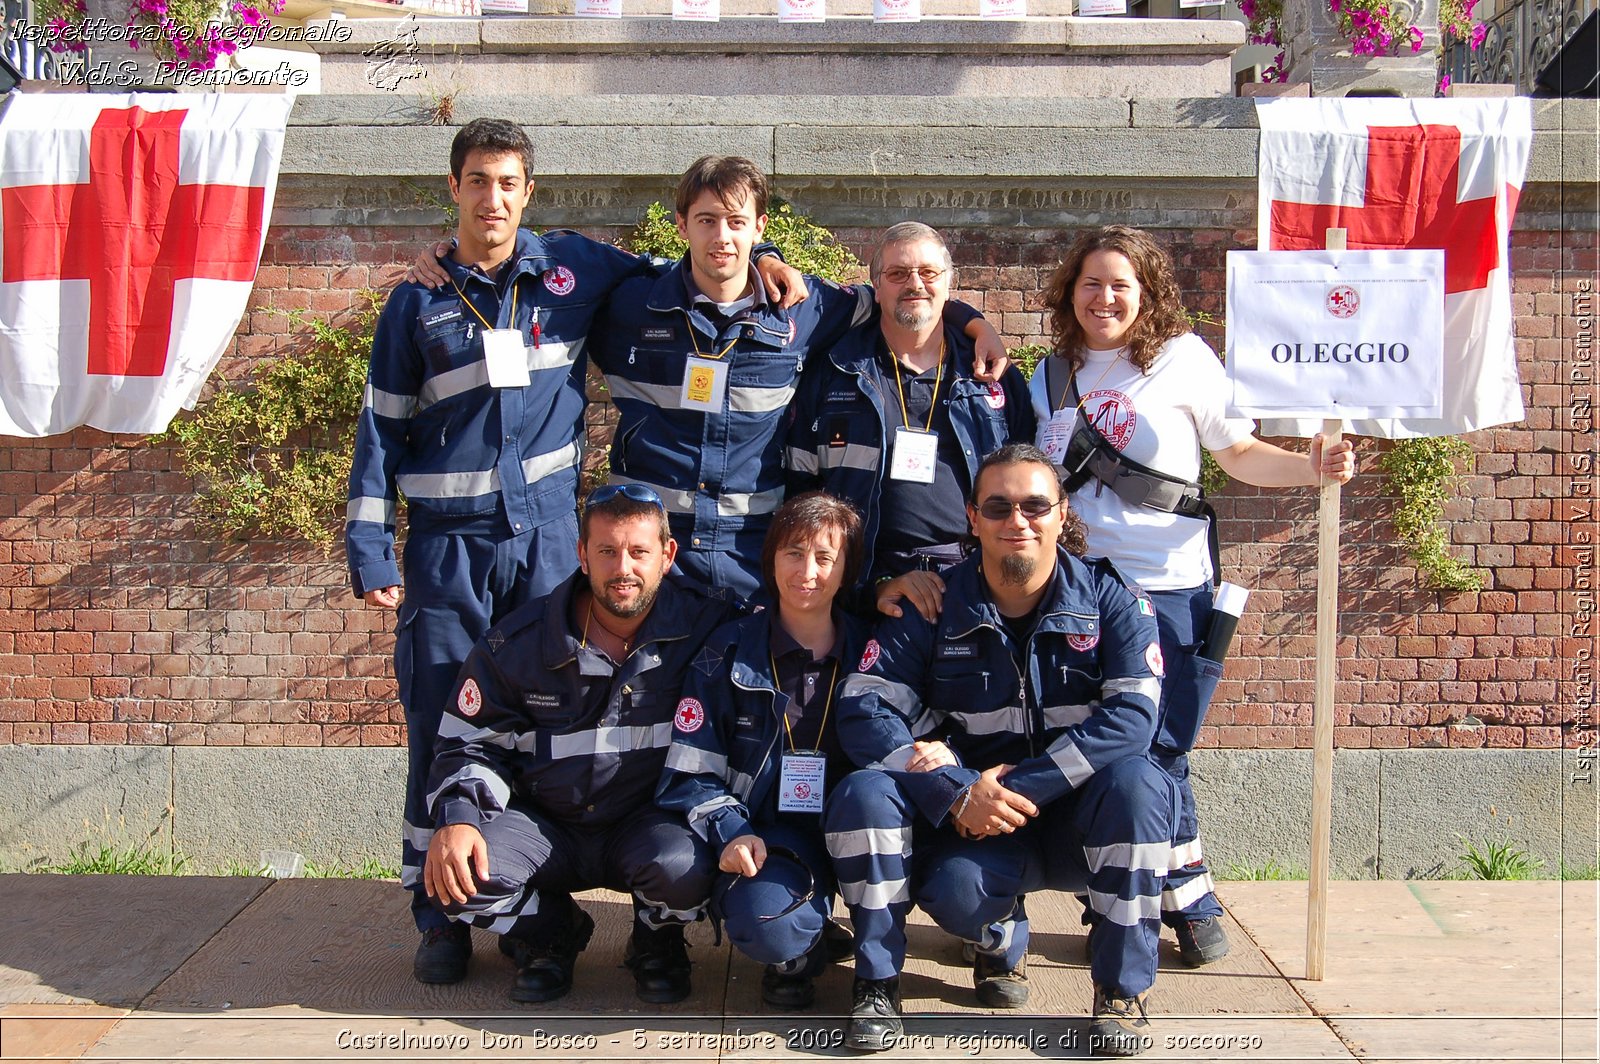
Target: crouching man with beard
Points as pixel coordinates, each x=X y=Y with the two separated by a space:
x=549 y=752
x=1041 y=675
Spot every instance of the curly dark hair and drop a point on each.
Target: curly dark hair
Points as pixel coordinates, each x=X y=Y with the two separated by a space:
x=1161 y=315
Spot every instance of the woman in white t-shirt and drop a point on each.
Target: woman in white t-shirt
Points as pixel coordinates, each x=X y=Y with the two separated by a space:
x=1126 y=362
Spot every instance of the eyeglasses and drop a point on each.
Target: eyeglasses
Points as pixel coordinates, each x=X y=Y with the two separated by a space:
x=1033 y=507
x=811 y=881
x=898 y=275
x=637 y=492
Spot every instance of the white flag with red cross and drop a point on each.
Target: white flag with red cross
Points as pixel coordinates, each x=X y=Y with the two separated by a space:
x=130 y=232
x=1410 y=174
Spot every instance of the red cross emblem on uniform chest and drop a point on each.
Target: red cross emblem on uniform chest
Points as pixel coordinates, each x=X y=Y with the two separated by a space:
x=132 y=230
x=1413 y=173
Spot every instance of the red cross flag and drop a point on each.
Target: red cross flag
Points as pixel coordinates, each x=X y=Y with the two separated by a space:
x=1394 y=173
x=130 y=232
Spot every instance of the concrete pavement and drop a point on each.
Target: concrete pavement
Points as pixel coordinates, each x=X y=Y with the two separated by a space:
x=233 y=969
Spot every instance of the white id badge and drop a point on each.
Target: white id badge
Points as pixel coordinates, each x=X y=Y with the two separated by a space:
x=704 y=382
x=915 y=456
x=507 y=358
x=802 y=778
x=1057 y=432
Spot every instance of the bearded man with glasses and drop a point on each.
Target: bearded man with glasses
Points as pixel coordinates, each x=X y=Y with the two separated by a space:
x=548 y=755
x=894 y=420
x=1041 y=676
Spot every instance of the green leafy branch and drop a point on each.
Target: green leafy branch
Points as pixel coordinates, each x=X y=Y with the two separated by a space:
x=271 y=455
x=1421 y=473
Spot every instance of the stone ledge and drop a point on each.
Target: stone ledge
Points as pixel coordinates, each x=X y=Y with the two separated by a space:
x=567 y=36
x=1048 y=138
x=1397 y=813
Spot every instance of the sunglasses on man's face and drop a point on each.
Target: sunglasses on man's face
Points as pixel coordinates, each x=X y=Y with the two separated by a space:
x=636 y=492
x=1033 y=507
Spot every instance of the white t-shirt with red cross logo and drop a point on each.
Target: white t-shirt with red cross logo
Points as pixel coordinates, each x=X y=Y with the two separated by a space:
x=1159 y=419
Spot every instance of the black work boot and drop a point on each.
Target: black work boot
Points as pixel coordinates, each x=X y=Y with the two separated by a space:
x=659 y=959
x=544 y=969
x=875 y=1015
x=442 y=954
x=1000 y=987
x=1201 y=941
x=784 y=989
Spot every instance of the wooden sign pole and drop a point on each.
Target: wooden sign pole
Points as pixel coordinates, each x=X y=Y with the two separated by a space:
x=1322 y=705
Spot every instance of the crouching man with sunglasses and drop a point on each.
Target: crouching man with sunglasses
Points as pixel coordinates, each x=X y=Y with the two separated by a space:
x=755 y=748
x=1042 y=675
x=549 y=752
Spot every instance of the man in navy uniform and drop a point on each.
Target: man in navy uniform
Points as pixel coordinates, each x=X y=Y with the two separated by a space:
x=549 y=752
x=1040 y=675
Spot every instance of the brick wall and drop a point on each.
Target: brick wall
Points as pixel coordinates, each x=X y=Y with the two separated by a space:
x=119 y=624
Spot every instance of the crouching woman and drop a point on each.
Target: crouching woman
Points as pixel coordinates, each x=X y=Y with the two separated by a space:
x=754 y=749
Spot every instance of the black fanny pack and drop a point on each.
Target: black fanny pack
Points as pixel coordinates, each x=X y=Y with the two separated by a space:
x=1090 y=456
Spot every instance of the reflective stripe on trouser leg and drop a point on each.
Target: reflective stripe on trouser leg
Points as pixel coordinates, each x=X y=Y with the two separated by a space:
x=1189 y=893
x=867 y=822
x=1180 y=618
x=667 y=867
x=456 y=587
x=973 y=888
x=1122 y=821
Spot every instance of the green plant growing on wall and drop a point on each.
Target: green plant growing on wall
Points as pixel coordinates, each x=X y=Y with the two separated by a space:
x=271 y=454
x=1421 y=473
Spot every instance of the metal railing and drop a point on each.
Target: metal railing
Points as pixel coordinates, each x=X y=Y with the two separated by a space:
x=33 y=61
x=1521 y=40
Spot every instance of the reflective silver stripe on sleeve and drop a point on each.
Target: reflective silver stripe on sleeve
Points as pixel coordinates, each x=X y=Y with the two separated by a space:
x=367 y=508
x=802 y=461
x=897 y=695
x=864 y=304
x=663 y=396
x=449 y=485
x=1070 y=760
x=700 y=816
x=499 y=790
x=390 y=404
x=875 y=895
x=864 y=841
x=1008 y=720
x=1127 y=912
x=742 y=784
x=742 y=504
x=453 y=382
x=540 y=466
x=1145 y=856
x=1149 y=686
x=458 y=730
x=681 y=757
x=750 y=400
x=1067 y=716
x=418 y=837
x=897 y=759
x=611 y=740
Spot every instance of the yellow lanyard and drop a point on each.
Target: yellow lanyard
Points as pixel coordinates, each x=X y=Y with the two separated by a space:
x=696 y=343
x=1081 y=399
x=905 y=418
x=826 y=707
x=474 y=309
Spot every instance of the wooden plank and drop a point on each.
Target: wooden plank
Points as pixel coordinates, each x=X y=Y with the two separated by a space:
x=108 y=940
